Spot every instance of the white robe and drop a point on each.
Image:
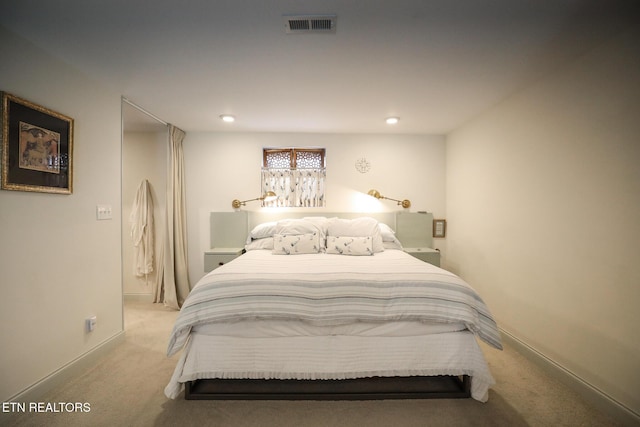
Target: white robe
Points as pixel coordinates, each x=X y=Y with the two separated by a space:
x=141 y=220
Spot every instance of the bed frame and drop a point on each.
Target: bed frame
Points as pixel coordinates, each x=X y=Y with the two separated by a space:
x=375 y=388
x=229 y=229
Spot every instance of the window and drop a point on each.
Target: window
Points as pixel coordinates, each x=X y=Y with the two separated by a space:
x=293 y=158
x=296 y=175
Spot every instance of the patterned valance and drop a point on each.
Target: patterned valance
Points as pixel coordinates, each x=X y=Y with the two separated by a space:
x=294 y=187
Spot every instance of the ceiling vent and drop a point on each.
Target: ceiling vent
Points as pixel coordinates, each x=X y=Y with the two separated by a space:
x=302 y=24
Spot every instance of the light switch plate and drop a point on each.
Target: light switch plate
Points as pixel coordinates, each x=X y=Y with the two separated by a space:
x=103 y=212
x=90 y=323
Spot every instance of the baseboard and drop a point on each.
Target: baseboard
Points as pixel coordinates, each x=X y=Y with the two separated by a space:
x=37 y=391
x=138 y=297
x=590 y=393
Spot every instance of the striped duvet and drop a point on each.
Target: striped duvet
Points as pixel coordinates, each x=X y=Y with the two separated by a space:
x=325 y=289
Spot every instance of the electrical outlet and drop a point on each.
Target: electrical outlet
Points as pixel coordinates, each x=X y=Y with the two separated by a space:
x=103 y=212
x=91 y=323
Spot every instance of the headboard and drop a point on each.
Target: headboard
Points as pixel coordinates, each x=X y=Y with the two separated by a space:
x=230 y=229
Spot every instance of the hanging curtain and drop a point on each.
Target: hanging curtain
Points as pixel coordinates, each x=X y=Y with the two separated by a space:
x=173 y=277
x=294 y=187
x=141 y=220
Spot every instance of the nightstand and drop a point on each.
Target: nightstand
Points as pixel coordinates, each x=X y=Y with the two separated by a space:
x=215 y=257
x=432 y=256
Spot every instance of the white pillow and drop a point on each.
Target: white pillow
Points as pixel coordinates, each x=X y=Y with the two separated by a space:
x=392 y=245
x=387 y=233
x=357 y=227
x=323 y=224
x=319 y=221
x=261 y=231
x=350 y=245
x=294 y=244
x=285 y=226
x=264 y=243
x=295 y=226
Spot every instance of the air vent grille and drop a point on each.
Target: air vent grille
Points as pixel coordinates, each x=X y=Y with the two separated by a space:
x=310 y=24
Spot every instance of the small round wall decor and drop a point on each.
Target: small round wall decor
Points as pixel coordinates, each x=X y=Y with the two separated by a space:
x=363 y=165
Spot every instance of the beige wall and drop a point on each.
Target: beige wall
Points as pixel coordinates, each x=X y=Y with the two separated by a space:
x=58 y=264
x=543 y=207
x=542 y=203
x=144 y=156
x=221 y=167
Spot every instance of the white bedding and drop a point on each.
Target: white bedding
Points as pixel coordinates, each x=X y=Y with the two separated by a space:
x=324 y=289
x=332 y=357
x=323 y=316
x=293 y=328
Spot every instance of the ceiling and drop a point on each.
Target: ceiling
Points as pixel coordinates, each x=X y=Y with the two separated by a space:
x=434 y=63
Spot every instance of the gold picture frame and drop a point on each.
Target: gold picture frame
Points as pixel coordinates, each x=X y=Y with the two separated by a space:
x=439 y=228
x=37 y=147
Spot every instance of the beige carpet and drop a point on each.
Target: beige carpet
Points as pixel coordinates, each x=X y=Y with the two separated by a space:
x=126 y=389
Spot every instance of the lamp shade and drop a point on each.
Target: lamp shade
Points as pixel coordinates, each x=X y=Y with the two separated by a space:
x=374 y=193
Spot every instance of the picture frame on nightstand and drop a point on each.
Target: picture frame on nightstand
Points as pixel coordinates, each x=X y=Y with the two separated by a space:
x=439 y=228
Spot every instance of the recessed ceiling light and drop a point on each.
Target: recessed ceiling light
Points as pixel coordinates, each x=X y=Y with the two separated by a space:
x=228 y=118
x=392 y=120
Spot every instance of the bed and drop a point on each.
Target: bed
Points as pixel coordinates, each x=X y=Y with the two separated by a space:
x=330 y=308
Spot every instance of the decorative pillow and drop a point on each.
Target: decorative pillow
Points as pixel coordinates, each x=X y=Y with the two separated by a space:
x=301 y=226
x=357 y=227
x=264 y=243
x=350 y=245
x=294 y=244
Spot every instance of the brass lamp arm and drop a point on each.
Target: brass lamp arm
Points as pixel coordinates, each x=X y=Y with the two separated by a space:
x=244 y=202
x=404 y=203
x=269 y=195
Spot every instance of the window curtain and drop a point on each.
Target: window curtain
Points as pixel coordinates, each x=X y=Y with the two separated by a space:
x=172 y=286
x=294 y=187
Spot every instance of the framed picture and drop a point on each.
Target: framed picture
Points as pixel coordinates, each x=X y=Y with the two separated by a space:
x=37 y=148
x=439 y=227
